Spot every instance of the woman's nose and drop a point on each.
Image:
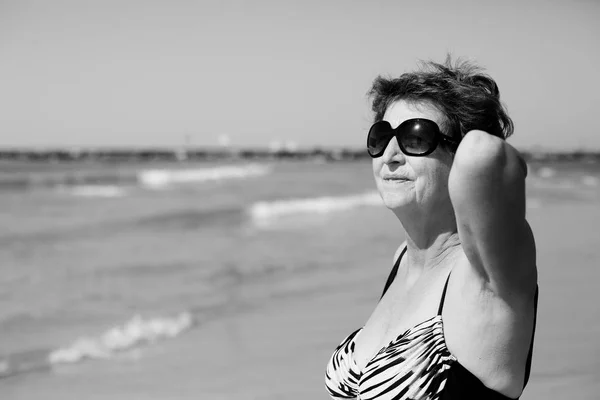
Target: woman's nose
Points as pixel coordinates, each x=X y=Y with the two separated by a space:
x=393 y=153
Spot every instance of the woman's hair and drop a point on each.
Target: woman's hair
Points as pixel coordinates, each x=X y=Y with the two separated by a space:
x=467 y=97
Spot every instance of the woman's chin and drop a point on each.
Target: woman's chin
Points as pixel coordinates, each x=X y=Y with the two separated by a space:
x=395 y=201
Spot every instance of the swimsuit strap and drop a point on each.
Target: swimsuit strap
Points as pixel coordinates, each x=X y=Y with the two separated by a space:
x=393 y=273
x=441 y=307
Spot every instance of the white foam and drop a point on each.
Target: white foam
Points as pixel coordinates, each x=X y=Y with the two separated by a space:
x=121 y=338
x=157 y=178
x=546 y=172
x=589 y=180
x=275 y=209
x=96 y=191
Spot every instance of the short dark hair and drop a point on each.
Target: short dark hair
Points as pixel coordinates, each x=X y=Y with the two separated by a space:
x=467 y=97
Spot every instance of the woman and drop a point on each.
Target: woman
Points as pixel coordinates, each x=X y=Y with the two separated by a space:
x=457 y=316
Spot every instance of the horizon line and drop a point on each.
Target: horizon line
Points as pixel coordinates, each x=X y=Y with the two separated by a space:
x=236 y=149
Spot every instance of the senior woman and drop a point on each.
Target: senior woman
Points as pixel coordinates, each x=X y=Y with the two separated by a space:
x=457 y=316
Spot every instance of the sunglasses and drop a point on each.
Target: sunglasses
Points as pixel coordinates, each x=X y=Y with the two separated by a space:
x=416 y=137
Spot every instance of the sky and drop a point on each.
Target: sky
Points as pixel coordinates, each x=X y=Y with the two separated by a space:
x=147 y=73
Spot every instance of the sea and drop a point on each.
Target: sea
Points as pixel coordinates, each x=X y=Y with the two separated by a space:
x=100 y=262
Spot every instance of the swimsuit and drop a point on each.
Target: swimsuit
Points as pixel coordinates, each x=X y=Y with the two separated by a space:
x=416 y=365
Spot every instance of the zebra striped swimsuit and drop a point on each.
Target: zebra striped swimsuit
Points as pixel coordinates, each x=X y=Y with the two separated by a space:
x=416 y=365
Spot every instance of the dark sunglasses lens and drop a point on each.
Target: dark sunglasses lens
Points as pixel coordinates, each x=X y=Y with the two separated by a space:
x=419 y=137
x=379 y=136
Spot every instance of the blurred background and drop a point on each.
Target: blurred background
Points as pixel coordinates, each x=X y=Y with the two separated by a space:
x=186 y=204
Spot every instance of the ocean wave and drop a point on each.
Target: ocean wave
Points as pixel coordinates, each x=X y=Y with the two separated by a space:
x=133 y=334
x=546 y=172
x=122 y=177
x=158 y=178
x=553 y=184
x=193 y=219
x=121 y=338
x=64 y=179
x=95 y=191
x=589 y=180
x=262 y=211
x=575 y=184
x=549 y=178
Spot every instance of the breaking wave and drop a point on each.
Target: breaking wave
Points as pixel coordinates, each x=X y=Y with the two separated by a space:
x=270 y=210
x=546 y=172
x=134 y=334
x=96 y=191
x=158 y=178
x=96 y=183
x=590 y=181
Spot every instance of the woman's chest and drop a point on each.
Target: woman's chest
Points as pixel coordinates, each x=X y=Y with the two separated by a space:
x=395 y=316
x=413 y=365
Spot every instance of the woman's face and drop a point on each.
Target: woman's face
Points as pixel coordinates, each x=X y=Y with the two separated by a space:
x=406 y=182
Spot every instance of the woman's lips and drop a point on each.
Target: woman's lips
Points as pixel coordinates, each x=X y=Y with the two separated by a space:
x=395 y=178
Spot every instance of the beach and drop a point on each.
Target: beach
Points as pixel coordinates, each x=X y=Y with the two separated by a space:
x=245 y=282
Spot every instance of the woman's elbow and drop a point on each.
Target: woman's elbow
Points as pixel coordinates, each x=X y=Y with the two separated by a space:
x=480 y=152
x=489 y=157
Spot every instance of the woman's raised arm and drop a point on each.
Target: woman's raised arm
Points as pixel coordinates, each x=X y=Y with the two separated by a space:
x=487 y=189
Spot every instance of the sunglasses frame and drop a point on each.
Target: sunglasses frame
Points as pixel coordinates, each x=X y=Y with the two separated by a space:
x=401 y=130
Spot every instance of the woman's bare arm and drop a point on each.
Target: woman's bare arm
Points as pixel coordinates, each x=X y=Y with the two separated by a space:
x=487 y=189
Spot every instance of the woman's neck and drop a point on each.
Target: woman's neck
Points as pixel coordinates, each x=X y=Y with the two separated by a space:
x=430 y=240
x=437 y=252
